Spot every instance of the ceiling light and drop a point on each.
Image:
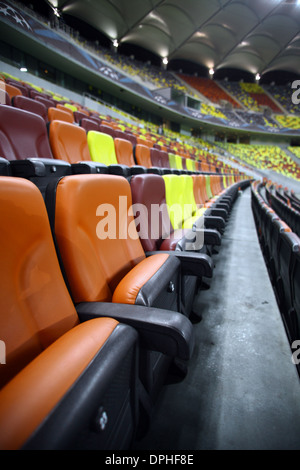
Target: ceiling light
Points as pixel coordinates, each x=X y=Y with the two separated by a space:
x=23 y=69
x=257 y=77
x=165 y=60
x=211 y=71
x=115 y=43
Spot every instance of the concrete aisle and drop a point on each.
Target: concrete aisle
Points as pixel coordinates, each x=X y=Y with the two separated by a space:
x=242 y=390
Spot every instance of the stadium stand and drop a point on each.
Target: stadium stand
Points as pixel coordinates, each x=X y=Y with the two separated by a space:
x=150 y=267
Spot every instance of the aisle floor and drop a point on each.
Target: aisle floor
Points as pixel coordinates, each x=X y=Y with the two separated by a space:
x=242 y=390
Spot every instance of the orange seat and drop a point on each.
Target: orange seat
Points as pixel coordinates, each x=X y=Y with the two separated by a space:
x=142 y=155
x=59 y=375
x=104 y=260
x=68 y=142
x=124 y=152
x=59 y=115
x=11 y=90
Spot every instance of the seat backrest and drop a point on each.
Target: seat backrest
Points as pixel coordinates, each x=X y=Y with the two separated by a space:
x=174 y=187
x=190 y=164
x=59 y=115
x=78 y=115
x=159 y=158
x=96 y=234
x=208 y=187
x=35 y=305
x=107 y=130
x=124 y=152
x=89 y=124
x=31 y=105
x=48 y=102
x=142 y=155
x=68 y=108
x=68 y=142
x=187 y=199
x=102 y=148
x=152 y=217
x=23 y=135
x=12 y=90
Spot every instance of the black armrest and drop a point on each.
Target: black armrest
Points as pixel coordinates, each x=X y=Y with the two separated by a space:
x=40 y=167
x=168 y=332
x=118 y=169
x=192 y=263
x=137 y=170
x=214 y=222
x=219 y=212
x=87 y=167
x=210 y=236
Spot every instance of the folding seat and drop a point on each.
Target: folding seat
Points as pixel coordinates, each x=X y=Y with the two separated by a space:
x=69 y=143
x=159 y=158
x=48 y=102
x=142 y=155
x=146 y=142
x=24 y=90
x=106 y=269
x=104 y=128
x=288 y=246
x=278 y=226
x=78 y=115
x=12 y=90
x=31 y=105
x=24 y=141
x=66 y=383
x=183 y=209
x=89 y=124
x=66 y=109
x=59 y=115
x=131 y=138
x=124 y=154
x=295 y=288
x=102 y=150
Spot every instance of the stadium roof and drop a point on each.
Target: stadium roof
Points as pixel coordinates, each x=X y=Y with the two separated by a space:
x=256 y=36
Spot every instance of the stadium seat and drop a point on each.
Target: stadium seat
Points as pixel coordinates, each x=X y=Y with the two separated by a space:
x=104 y=262
x=68 y=142
x=66 y=384
x=102 y=150
x=31 y=105
x=124 y=154
x=288 y=246
x=58 y=114
x=90 y=124
x=24 y=141
x=12 y=90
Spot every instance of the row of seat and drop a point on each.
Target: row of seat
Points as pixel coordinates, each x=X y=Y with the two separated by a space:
x=50 y=109
x=281 y=249
x=92 y=316
x=288 y=210
x=82 y=310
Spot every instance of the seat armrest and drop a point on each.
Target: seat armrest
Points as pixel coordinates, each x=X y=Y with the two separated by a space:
x=214 y=222
x=168 y=332
x=120 y=170
x=210 y=236
x=192 y=263
x=86 y=167
x=219 y=212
